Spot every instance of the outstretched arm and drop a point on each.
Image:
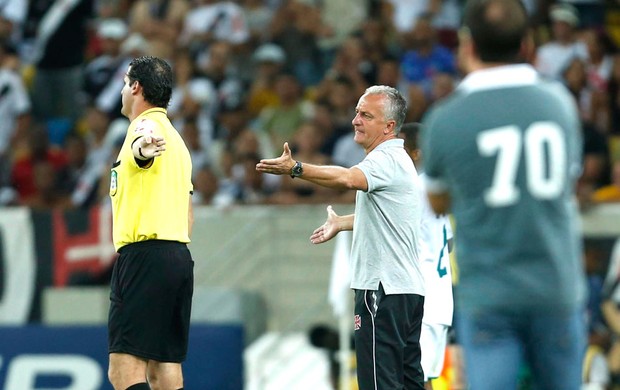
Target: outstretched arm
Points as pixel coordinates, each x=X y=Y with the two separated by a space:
x=325 y=175
x=333 y=225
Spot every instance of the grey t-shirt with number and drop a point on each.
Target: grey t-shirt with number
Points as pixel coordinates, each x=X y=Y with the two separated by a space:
x=507 y=148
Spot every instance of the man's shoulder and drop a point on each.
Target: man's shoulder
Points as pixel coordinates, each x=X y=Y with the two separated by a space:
x=152 y=121
x=145 y=126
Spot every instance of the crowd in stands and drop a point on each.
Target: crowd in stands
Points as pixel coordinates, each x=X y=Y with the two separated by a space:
x=252 y=74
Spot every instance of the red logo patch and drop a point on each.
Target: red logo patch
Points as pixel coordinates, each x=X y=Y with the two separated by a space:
x=357 y=321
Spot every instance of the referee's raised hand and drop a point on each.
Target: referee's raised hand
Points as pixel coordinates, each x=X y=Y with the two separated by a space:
x=148 y=147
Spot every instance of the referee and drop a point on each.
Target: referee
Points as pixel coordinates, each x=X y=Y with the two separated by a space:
x=152 y=281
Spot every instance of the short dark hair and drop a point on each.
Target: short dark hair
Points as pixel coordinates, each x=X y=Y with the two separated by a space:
x=155 y=77
x=497 y=27
x=410 y=132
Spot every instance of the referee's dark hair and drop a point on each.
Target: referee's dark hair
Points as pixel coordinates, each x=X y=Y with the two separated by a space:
x=410 y=132
x=498 y=29
x=155 y=77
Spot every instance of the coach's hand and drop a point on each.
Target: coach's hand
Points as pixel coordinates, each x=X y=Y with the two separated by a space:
x=328 y=230
x=278 y=166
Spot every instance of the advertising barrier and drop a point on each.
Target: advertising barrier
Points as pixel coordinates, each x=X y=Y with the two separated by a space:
x=75 y=358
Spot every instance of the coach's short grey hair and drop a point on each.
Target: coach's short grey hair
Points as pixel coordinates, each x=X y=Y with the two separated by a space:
x=395 y=105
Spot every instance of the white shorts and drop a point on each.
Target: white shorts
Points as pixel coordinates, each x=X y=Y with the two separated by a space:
x=433 y=340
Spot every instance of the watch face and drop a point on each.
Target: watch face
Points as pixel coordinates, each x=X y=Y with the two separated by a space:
x=297 y=169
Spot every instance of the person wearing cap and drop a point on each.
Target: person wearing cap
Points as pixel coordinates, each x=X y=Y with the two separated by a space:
x=100 y=70
x=554 y=55
x=269 y=59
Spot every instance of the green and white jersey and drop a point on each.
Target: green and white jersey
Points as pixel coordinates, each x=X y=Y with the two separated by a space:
x=506 y=146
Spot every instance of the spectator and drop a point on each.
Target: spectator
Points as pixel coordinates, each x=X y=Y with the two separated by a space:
x=253 y=188
x=27 y=175
x=12 y=17
x=613 y=97
x=280 y=122
x=258 y=16
x=269 y=60
x=99 y=143
x=59 y=73
x=389 y=73
x=595 y=149
x=306 y=143
x=194 y=98
x=68 y=178
x=377 y=39
x=611 y=312
x=599 y=68
x=347 y=152
x=106 y=71
x=206 y=188
x=296 y=27
x=15 y=111
x=191 y=135
x=336 y=28
x=337 y=94
x=405 y=14
x=47 y=195
x=213 y=21
x=218 y=69
x=611 y=192
x=160 y=23
x=575 y=78
x=352 y=63
x=554 y=55
x=425 y=57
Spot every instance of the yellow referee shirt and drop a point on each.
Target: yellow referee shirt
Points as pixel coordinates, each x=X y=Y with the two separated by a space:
x=151 y=203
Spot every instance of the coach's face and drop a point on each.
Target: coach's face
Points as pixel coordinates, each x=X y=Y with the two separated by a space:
x=369 y=123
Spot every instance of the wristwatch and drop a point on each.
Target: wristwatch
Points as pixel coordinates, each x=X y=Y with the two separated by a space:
x=297 y=170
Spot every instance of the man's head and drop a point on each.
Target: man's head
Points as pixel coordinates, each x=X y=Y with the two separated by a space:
x=112 y=32
x=154 y=76
x=380 y=113
x=410 y=133
x=564 y=20
x=495 y=30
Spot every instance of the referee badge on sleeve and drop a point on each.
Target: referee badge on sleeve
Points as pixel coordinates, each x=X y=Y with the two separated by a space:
x=113 y=183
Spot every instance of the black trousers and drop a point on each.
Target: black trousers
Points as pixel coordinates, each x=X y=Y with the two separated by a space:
x=387 y=340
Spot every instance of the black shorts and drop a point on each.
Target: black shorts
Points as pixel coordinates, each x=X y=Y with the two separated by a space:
x=387 y=340
x=151 y=300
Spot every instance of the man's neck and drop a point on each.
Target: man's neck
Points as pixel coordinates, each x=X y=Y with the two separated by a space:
x=138 y=109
